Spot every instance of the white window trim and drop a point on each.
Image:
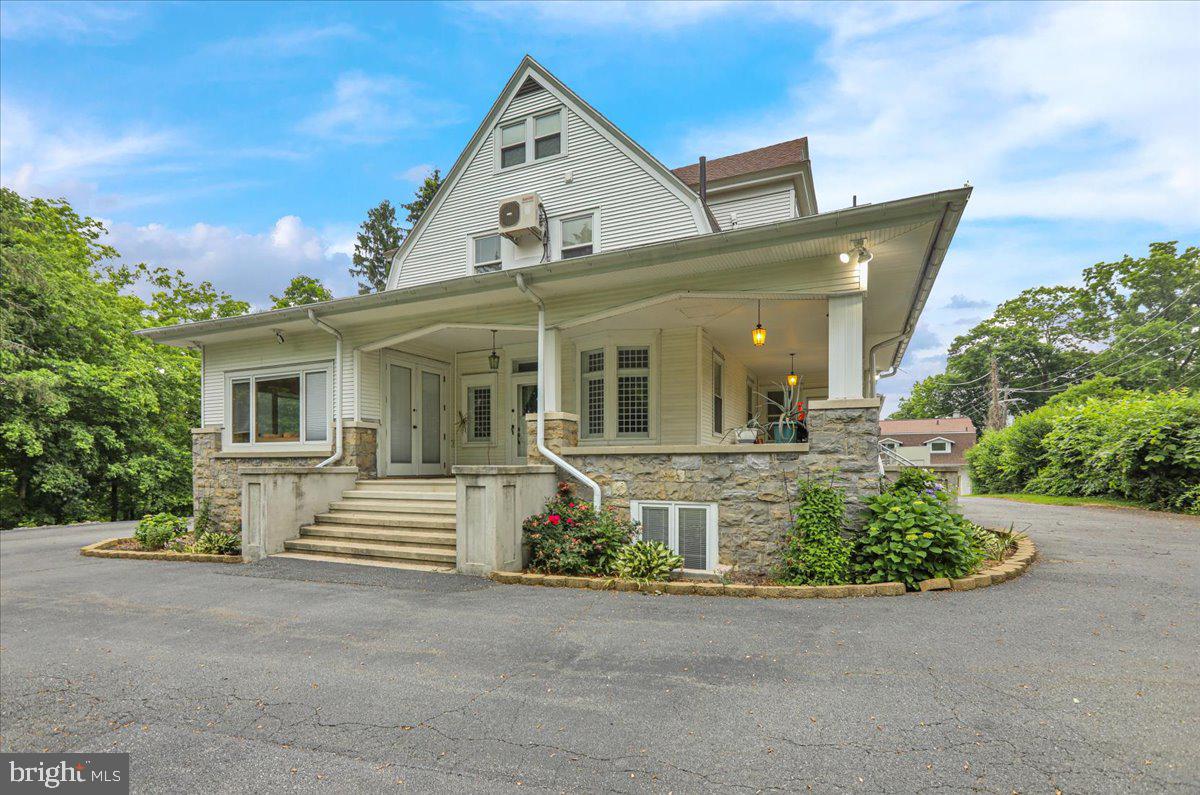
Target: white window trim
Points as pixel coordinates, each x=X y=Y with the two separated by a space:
x=505 y=256
x=556 y=235
x=712 y=536
x=718 y=360
x=890 y=444
x=609 y=342
x=529 y=131
x=299 y=370
x=949 y=445
x=465 y=384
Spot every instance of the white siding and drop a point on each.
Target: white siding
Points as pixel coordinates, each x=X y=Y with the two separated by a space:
x=635 y=207
x=753 y=209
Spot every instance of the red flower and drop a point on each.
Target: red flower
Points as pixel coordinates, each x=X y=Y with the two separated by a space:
x=553 y=518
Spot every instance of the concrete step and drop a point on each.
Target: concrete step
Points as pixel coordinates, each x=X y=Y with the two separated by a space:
x=400 y=521
x=401 y=484
x=375 y=549
x=431 y=538
x=359 y=560
x=408 y=507
x=380 y=494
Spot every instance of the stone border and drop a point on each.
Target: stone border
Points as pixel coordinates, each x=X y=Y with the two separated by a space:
x=101 y=550
x=1013 y=566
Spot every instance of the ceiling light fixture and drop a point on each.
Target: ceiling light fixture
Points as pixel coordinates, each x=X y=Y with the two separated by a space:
x=792 y=378
x=759 y=335
x=493 y=357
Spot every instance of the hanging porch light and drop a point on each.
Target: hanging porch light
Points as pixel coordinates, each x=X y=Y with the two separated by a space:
x=792 y=378
x=493 y=357
x=759 y=335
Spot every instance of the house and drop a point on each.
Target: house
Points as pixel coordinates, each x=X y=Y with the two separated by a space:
x=939 y=444
x=570 y=308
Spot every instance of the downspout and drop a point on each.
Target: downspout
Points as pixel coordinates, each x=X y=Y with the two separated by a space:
x=895 y=367
x=541 y=398
x=337 y=388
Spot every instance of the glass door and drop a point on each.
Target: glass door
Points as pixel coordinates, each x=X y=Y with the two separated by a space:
x=415 y=419
x=524 y=405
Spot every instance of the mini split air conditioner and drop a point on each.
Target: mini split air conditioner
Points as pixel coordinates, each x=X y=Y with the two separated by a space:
x=521 y=216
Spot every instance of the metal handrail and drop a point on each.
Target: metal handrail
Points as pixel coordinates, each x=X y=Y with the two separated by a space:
x=893 y=455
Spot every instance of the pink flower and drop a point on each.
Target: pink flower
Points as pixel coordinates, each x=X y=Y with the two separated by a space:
x=553 y=518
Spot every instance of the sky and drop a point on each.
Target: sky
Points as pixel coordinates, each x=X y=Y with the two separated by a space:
x=243 y=143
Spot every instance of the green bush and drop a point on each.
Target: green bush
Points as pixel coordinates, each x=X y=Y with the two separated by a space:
x=216 y=543
x=570 y=537
x=154 y=531
x=992 y=544
x=912 y=536
x=814 y=551
x=204 y=522
x=646 y=561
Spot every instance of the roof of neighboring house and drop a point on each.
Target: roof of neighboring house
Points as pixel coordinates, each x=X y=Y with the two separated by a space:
x=777 y=155
x=937 y=425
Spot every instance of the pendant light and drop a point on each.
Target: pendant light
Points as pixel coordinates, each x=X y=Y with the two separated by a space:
x=792 y=378
x=759 y=335
x=494 y=358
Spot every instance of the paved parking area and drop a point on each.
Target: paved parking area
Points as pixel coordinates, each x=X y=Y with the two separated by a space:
x=1082 y=675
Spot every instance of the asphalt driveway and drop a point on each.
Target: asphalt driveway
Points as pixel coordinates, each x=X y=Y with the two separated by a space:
x=1082 y=675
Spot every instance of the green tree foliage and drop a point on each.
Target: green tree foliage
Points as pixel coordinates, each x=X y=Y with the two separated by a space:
x=301 y=290
x=420 y=203
x=95 y=423
x=378 y=236
x=1134 y=319
x=814 y=551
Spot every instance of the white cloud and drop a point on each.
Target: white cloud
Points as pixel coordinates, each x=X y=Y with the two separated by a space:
x=416 y=173
x=75 y=22
x=641 y=16
x=277 y=43
x=371 y=109
x=248 y=265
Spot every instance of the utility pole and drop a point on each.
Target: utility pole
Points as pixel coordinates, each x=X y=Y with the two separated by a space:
x=997 y=416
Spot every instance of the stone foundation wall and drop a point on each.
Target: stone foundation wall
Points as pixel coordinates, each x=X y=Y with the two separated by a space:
x=216 y=475
x=562 y=430
x=754 y=487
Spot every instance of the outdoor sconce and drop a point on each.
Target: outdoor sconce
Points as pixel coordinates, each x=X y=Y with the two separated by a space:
x=493 y=357
x=759 y=335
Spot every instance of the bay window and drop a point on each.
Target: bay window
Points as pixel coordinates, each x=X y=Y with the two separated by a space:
x=290 y=407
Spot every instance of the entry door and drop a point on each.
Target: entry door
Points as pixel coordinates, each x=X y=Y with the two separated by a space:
x=416 y=443
x=525 y=402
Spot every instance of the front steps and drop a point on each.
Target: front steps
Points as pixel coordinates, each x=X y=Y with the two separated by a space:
x=398 y=522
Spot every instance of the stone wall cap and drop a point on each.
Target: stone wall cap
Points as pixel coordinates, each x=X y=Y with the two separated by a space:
x=685 y=449
x=273 y=454
x=554 y=415
x=207 y=429
x=503 y=469
x=372 y=424
x=298 y=471
x=846 y=403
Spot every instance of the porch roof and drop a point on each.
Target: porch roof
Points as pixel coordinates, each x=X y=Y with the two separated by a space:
x=918 y=230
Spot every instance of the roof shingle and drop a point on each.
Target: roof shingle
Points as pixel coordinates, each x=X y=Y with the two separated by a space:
x=938 y=425
x=768 y=157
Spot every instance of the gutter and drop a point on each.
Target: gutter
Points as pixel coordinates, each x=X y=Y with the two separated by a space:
x=875 y=374
x=337 y=388
x=541 y=397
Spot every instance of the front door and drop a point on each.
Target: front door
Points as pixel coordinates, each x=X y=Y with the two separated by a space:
x=416 y=418
x=524 y=403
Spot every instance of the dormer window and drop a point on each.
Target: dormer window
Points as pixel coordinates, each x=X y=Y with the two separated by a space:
x=530 y=139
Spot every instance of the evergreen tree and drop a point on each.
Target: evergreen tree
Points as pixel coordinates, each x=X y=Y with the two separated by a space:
x=420 y=203
x=372 y=252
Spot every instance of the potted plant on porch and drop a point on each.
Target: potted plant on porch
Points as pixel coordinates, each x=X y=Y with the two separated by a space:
x=787 y=429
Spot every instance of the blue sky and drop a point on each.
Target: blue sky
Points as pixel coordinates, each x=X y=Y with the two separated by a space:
x=244 y=143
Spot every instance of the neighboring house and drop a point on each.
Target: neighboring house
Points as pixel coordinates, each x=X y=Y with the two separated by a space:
x=939 y=444
x=563 y=279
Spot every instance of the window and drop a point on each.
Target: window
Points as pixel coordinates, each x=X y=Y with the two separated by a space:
x=525 y=366
x=751 y=407
x=718 y=403
x=592 y=397
x=530 y=139
x=633 y=391
x=479 y=408
x=688 y=529
x=939 y=446
x=275 y=408
x=577 y=236
x=775 y=399
x=487 y=254
x=889 y=444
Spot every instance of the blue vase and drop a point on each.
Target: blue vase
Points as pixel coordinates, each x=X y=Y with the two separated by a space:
x=784 y=432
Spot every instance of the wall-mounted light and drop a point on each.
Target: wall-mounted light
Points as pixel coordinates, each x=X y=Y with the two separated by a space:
x=493 y=357
x=792 y=378
x=278 y=336
x=759 y=335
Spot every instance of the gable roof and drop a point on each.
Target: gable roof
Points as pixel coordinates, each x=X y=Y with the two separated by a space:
x=519 y=83
x=936 y=425
x=785 y=153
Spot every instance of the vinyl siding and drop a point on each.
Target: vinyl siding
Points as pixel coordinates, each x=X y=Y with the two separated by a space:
x=677 y=395
x=753 y=209
x=635 y=207
x=734 y=392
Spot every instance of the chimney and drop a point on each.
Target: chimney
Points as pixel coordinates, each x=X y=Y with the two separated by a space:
x=704 y=180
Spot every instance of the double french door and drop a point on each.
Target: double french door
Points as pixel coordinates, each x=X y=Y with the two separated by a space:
x=415 y=398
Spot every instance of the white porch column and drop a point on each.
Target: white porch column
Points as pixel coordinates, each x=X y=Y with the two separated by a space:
x=846 y=346
x=552 y=377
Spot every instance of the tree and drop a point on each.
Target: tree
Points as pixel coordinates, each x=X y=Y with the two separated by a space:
x=302 y=290
x=377 y=241
x=425 y=193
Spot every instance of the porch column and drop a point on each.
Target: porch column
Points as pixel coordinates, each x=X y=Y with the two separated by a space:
x=846 y=346
x=552 y=370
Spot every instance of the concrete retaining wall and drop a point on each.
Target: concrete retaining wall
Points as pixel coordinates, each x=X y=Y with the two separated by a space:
x=277 y=500
x=493 y=501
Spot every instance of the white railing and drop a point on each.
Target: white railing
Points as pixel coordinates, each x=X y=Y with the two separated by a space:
x=893 y=457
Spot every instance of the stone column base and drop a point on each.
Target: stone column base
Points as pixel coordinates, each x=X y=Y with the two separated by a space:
x=562 y=430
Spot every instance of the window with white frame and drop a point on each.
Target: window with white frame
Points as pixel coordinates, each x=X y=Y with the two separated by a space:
x=479 y=414
x=486 y=253
x=591 y=399
x=688 y=529
x=890 y=444
x=751 y=407
x=939 y=446
x=578 y=236
x=633 y=391
x=536 y=137
x=617 y=386
x=718 y=393
x=279 y=407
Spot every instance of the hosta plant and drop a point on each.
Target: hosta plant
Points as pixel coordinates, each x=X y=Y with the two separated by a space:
x=646 y=561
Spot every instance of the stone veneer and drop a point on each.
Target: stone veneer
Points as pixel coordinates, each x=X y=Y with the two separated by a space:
x=753 y=486
x=216 y=475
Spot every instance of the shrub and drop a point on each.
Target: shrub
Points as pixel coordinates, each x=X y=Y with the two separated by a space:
x=814 y=551
x=204 y=522
x=913 y=536
x=154 y=531
x=646 y=561
x=571 y=537
x=992 y=544
x=216 y=543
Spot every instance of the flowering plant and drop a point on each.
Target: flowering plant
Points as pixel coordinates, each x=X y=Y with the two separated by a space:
x=570 y=537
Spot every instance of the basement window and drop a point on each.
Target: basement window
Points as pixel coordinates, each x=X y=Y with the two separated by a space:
x=686 y=528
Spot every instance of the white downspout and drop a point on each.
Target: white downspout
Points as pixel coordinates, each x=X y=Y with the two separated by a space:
x=875 y=377
x=337 y=387
x=541 y=399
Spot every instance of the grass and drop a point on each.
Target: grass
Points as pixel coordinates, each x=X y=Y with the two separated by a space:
x=1049 y=499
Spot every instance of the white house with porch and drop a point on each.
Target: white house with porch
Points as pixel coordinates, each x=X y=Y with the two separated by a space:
x=570 y=308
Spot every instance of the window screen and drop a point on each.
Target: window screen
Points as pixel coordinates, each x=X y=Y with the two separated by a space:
x=656 y=524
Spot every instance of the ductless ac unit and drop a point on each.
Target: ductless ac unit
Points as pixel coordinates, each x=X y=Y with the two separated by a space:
x=521 y=216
